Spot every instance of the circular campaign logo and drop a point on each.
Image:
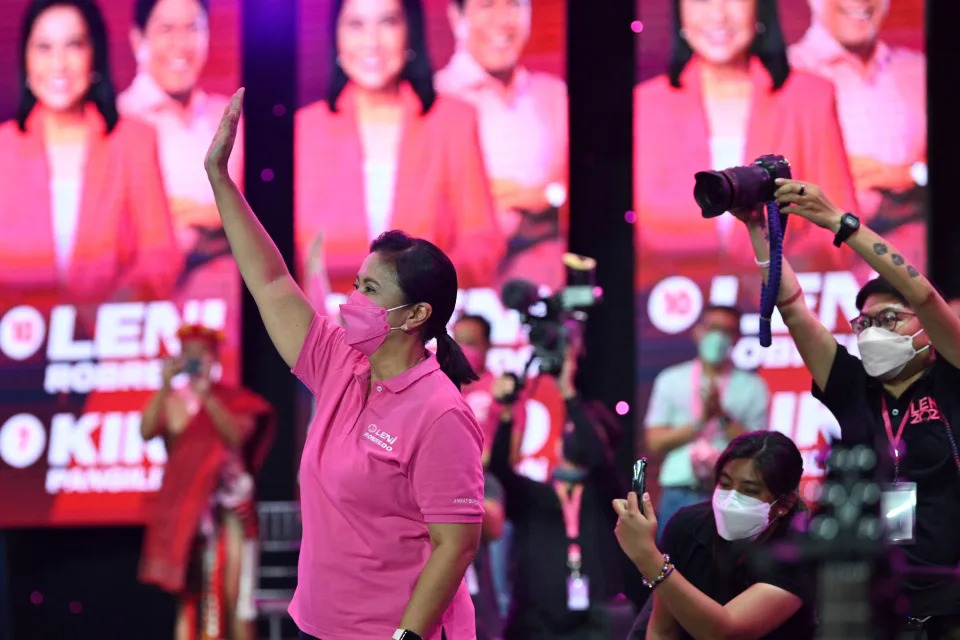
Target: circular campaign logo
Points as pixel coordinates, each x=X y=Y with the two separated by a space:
x=371 y=428
x=21 y=332
x=674 y=304
x=22 y=439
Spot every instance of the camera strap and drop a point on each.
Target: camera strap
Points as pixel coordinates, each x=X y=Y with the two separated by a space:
x=776 y=227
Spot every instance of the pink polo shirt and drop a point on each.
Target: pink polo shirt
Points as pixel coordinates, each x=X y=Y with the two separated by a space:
x=882 y=105
x=375 y=472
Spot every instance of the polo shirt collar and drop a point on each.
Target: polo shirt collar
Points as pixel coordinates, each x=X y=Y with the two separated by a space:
x=399 y=383
x=471 y=75
x=827 y=50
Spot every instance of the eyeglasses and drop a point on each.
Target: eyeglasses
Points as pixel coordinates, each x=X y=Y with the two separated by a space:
x=888 y=319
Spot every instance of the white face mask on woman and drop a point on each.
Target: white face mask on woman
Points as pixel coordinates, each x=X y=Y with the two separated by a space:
x=886 y=353
x=738 y=516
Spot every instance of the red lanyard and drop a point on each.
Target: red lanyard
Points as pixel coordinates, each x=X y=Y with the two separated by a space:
x=894 y=439
x=570 y=503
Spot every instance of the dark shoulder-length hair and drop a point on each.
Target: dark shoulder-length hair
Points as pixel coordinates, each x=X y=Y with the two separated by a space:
x=417 y=69
x=101 y=91
x=776 y=458
x=143 y=9
x=426 y=274
x=768 y=45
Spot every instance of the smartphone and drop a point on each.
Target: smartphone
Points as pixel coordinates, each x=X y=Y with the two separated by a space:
x=639 y=484
x=192 y=366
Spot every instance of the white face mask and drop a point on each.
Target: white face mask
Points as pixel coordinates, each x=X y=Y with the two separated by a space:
x=738 y=516
x=885 y=353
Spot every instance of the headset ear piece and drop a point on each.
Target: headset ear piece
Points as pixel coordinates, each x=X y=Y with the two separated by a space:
x=405 y=328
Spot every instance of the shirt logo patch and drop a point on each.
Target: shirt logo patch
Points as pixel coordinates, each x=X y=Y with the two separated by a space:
x=380 y=438
x=925 y=410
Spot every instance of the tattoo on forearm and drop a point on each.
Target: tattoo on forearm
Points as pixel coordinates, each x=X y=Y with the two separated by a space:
x=897 y=259
x=879 y=248
x=913 y=273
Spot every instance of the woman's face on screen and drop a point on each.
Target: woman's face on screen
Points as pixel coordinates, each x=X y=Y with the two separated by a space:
x=174 y=45
x=719 y=31
x=372 y=42
x=59 y=58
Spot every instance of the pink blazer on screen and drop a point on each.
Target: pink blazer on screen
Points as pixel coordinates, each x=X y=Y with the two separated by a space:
x=124 y=239
x=441 y=193
x=671 y=143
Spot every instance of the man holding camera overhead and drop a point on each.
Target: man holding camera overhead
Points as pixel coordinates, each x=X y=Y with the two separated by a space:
x=697 y=407
x=900 y=397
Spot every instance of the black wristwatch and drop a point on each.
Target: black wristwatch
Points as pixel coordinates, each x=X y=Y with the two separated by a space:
x=404 y=634
x=848 y=224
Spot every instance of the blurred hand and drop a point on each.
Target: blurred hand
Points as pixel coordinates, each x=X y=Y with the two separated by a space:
x=222 y=145
x=568 y=372
x=808 y=201
x=202 y=384
x=636 y=532
x=869 y=173
x=315 y=255
x=711 y=404
x=171 y=368
x=751 y=216
x=504 y=190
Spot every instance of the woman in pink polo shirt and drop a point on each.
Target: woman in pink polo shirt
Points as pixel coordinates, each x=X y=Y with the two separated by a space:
x=391 y=479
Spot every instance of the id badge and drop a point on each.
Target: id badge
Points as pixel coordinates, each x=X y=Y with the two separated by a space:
x=898 y=505
x=473 y=584
x=578 y=593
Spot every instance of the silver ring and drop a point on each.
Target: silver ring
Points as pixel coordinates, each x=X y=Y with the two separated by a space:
x=803 y=189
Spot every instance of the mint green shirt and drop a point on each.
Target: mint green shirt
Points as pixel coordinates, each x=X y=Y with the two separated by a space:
x=746 y=400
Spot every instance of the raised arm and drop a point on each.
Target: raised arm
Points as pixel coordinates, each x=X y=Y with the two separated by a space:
x=283 y=306
x=815 y=343
x=939 y=322
x=152 y=420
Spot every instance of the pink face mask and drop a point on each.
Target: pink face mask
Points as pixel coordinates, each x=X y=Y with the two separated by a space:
x=365 y=323
x=474 y=357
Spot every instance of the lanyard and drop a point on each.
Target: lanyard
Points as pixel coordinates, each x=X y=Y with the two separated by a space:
x=894 y=439
x=570 y=503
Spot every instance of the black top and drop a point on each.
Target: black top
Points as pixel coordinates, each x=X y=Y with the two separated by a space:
x=720 y=568
x=489 y=624
x=926 y=458
x=539 y=553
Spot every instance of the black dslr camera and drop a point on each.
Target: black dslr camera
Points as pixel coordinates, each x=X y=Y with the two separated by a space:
x=551 y=321
x=739 y=187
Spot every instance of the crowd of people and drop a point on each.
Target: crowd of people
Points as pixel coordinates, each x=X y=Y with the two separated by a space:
x=374 y=370
x=419 y=520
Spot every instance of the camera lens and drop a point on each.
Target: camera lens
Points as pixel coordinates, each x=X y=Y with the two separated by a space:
x=713 y=192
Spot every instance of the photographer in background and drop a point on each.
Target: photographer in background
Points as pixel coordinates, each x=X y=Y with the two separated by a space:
x=486 y=577
x=697 y=407
x=900 y=397
x=565 y=564
x=216 y=438
x=703 y=584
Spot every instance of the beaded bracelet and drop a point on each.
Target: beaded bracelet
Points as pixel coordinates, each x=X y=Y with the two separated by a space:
x=664 y=573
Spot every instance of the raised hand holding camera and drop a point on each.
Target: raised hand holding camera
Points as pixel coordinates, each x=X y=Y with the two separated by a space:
x=808 y=201
x=744 y=189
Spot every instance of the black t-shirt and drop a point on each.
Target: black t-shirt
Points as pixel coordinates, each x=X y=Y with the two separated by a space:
x=720 y=568
x=538 y=557
x=489 y=622
x=927 y=458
